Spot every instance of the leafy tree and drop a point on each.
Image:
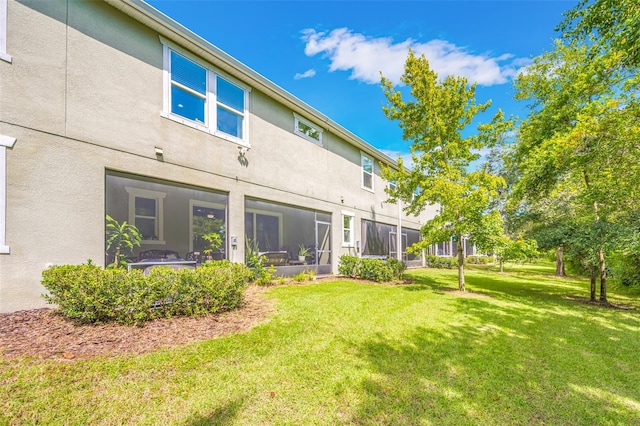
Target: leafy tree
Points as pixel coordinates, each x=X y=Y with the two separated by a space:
x=121 y=239
x=509 y=250
x=576 y=139
x=433 y=120
x=612 y=25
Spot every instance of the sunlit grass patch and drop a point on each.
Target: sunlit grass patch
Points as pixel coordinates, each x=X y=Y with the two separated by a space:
x=348 y=352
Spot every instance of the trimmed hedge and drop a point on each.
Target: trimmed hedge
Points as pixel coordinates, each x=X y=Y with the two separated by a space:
x=479 y=260
x=371 y=269
x=442 y=262
x=88 y=293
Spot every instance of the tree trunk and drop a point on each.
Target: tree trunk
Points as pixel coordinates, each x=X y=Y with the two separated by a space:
x=603 y=276
x=501 y=265
x=592 y=273
x=460 y=264
x=560 y=262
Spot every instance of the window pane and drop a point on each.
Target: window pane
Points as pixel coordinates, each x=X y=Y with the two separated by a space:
x=367 y=180
x=267 y=232
x=188 y=73
x=208 y=221
x=309 y=131
x=187 y=105
x=346 y=222
x=230 y=95
x=346 y=238
x=229 y=123
x=145 y=207
x=147 y=228
x=367 y=164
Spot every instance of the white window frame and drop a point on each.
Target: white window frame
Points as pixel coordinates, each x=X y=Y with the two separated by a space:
x=352 y=220
x=154 y=195
x=5 y=142
x=4 y=12
x=297 y=131
x=211 y=102
x=364 y=156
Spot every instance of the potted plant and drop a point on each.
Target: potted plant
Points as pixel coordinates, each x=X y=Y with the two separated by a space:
x=303 y=252
x=121 y=239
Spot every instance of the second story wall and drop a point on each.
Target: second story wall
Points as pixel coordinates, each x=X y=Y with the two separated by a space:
x=93 y=74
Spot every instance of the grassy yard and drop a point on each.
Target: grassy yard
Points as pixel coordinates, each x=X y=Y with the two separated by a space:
x=521 y=348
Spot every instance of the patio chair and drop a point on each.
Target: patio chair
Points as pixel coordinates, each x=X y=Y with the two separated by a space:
x=155 y=254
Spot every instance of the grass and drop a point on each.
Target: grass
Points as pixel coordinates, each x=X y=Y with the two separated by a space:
x=518 y=349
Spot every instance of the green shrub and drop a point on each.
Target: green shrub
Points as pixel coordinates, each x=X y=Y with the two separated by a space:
x=479 y=260
x=371 y=269
x=441 y=262
x=88 y=293
x=348 y=266
x=397 y=267
x=304 y=276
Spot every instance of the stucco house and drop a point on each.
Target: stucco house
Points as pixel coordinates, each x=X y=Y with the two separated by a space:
x=112 y=108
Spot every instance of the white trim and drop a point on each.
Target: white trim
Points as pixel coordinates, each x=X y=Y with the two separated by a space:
x=362 y=171
x=352 y=230
x=297 y=131
x=211 y=102
x=5 y=142
x=4 y=12
x=155 y=195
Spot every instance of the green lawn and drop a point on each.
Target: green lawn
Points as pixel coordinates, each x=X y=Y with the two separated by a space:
x=520 y=349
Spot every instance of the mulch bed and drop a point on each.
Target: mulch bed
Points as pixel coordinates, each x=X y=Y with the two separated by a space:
x=45 y=334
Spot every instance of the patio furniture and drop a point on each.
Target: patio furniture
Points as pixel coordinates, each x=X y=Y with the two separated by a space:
x=152 y=258
x=155 y=255
x=275 y=258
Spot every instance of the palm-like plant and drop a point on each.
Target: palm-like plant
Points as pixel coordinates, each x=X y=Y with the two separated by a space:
x=121 y=239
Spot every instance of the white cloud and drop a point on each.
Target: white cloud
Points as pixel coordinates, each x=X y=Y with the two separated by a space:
x=307 y=74
x=366 y=57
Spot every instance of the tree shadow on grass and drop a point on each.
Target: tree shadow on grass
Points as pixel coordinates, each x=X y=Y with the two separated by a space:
x=222 y=415
x=502 y=363
x=424 y=282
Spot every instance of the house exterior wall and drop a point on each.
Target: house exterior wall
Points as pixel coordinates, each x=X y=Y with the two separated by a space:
x=83 y=95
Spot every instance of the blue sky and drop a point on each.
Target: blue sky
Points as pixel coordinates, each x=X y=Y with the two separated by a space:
x=329 y=53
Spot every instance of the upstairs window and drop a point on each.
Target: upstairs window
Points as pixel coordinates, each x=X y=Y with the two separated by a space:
x=199 y=97
x=307 y=131
x=188 y=89
x=230 y=108
x=367 y=171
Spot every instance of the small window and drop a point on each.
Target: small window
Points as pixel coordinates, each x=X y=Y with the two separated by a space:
x=199 y=97
x=146 y=213
x=348 y=219
x=367 y=172
x=307 y=131
x=3 y=31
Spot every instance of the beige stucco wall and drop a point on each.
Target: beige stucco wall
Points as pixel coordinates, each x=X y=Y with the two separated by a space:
x=86 y=97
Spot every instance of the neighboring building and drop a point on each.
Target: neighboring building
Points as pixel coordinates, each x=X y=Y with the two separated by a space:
x=111 y=108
